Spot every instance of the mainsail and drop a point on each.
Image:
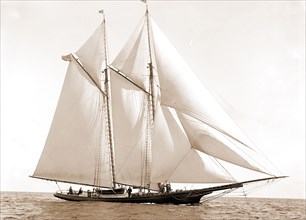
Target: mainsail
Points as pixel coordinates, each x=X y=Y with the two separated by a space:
x=187 y=118
x=151 y=122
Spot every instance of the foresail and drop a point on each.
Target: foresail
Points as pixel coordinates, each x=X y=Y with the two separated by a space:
x=75 y=140
x=76 y=149
x=204 y=170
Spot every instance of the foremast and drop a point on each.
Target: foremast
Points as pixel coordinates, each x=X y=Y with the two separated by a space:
x=109 y=130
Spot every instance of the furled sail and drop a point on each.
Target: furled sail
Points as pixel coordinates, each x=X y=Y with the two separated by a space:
x=74 y=149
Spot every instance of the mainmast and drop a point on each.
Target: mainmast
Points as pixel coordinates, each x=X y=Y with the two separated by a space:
x=108 y=107
x=147 y=154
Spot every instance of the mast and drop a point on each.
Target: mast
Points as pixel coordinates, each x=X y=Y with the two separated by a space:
x=147 y=154
x=151 y=88
x=108 y=108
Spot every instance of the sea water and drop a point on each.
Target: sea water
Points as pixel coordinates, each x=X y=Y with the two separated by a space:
x=17 y=205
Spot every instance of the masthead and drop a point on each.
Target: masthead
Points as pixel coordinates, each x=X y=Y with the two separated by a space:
x=145 y=1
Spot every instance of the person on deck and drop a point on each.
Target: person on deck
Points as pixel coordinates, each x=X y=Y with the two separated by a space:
x=168 y=187
x=70 y=190
x=80 y=191
x=161 y=187
x=129 y=191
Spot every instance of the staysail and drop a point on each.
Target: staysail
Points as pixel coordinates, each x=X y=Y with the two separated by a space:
x=174 y=158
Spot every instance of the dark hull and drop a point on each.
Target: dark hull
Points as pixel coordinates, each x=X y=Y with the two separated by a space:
x=113 y=191
x=186 y=197
x=181 y=197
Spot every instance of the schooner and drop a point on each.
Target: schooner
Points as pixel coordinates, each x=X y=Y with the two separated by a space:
x=143 y=121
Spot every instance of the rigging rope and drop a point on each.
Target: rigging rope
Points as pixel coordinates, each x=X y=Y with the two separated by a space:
x=99 y=148
x=210 y=198
x=222 y=168
x=59 y=188
x=268 y=182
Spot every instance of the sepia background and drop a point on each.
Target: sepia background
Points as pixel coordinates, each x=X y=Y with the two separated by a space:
x=249 y=54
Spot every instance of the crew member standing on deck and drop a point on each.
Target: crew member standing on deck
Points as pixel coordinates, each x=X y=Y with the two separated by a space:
x=70 y=190
x=80 y=191
x=129 y=191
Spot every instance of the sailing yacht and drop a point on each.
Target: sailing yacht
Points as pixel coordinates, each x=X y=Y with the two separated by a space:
x=142 y=121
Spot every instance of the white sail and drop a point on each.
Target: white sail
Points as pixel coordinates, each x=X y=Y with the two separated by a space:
x=92 y=54
x=75 y=148
x=133 y=59
x=183 y=91
x=74 y=140
x=202 y=124
x=207 y=125
x=174 y=159
x=129 y=111
x=186 y=128
x=214 y=143
x=170 y=144
x=202 y=167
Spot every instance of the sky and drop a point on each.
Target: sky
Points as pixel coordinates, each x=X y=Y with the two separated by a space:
x=249 y=54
